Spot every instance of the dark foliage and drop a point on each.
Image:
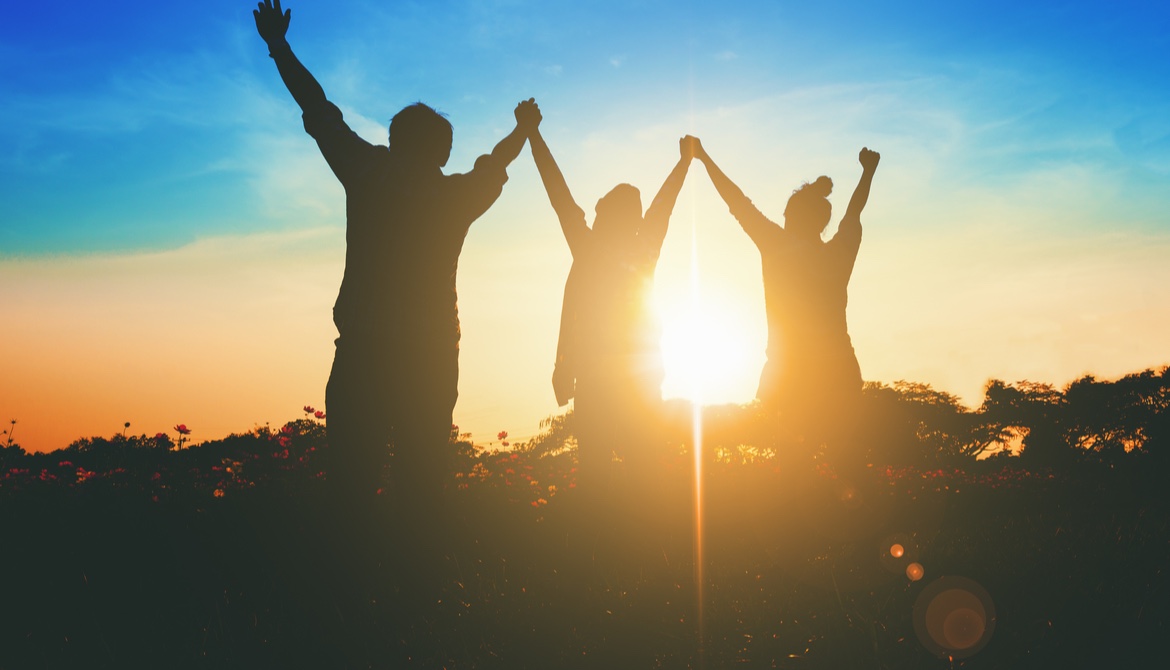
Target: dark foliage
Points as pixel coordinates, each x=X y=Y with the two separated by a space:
x=126 y=552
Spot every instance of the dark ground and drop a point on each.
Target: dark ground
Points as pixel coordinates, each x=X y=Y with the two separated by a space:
x=202 y=564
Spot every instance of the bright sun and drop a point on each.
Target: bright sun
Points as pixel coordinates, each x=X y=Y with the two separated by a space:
x=709 y=354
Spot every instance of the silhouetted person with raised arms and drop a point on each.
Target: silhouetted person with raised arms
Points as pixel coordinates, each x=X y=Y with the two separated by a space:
x=395 y=371
x=811 y=376
x=608 y=354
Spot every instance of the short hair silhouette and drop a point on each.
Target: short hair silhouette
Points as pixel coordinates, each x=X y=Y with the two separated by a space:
x=421 y=134
x=808 y=209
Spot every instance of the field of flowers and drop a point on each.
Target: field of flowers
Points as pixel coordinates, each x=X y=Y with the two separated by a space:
x=137 y=551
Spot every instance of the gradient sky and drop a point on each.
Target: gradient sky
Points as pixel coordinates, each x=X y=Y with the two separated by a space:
x=171 y=242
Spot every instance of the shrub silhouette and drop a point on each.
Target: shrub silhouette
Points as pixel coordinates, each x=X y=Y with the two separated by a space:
x=224 y=551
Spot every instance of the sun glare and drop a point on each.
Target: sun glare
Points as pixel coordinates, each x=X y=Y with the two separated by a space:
x=705 y=353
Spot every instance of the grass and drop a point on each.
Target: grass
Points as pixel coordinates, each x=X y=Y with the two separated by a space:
x=230 y=554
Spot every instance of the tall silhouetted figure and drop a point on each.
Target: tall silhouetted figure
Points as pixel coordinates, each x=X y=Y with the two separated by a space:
x=608 y=355
x=396 y=367
x=811 y=375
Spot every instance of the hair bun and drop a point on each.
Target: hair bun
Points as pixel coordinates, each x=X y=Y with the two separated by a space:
x=822 y=187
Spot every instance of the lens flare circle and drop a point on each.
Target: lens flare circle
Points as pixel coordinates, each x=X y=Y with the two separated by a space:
x=954 y=617
x=896 y=552
x=915 y=572
x=962 y=628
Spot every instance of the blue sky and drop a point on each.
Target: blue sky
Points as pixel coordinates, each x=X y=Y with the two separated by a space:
x=1018 y=218
x=119 y=125
x=122 y=121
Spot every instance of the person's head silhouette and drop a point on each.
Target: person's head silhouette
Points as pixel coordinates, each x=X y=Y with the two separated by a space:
x=619 y=212
x=808 y=209
x=420 y=135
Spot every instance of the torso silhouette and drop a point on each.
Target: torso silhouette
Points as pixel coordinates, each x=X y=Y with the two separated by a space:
x=404 y=234
x=395 y=375
x=810 y=355
x=615 y=338
x=811 y=377
x=608 y=357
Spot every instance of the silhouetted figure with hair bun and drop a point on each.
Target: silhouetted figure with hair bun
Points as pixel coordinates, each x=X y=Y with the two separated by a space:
x=395 y=373
x=811 y=376
x=608 y=356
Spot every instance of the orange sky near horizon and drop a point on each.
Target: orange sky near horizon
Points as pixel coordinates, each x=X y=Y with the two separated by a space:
x=171 y=241
x=230 y=333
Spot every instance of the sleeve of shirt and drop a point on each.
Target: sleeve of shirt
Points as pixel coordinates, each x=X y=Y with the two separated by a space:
x=342 y=148
x=481 y=187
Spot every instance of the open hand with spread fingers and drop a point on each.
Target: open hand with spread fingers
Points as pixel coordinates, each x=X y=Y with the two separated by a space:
x=271 y=22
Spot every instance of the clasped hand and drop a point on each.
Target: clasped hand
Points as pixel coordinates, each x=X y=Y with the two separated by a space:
x=528 y=115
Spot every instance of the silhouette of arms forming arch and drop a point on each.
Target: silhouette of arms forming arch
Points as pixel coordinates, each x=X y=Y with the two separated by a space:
x=754 y=223
x=657 y=217
x=570 y=214
x=527 y=119
x=493 y=166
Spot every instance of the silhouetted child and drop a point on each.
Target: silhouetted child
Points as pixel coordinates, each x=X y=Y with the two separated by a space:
x=811 y=376
x=395 y=372
x=608 y=355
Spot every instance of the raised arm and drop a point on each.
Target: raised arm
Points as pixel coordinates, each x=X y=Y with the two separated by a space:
x=272 y=25
x=571 y=216
x=753 y=222
x=342 y=148
x=657 y=217
x=527 y=119
x=869 y=162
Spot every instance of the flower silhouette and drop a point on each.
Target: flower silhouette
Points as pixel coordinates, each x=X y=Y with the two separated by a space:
x=183 y=431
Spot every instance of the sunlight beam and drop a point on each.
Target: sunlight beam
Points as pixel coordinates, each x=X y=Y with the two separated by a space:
x=696 y=382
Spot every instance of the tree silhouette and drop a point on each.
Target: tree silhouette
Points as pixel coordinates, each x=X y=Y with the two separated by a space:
x=1111 y=419
x=1033 y=412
